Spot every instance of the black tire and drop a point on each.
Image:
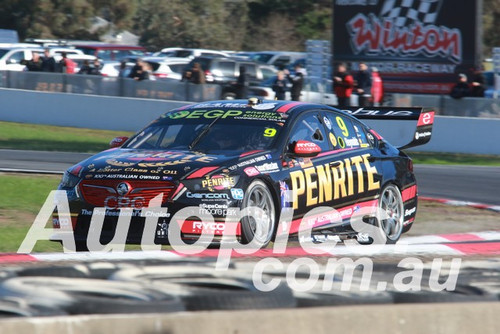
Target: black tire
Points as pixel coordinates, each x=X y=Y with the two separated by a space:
x=90 y=296
x=339 y=298
x=202 y=288
x=17 y=307
x=258 y=194
x=460 y=294
x=76 y=271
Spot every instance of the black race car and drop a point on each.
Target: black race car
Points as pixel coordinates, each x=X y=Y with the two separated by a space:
x=221 y=157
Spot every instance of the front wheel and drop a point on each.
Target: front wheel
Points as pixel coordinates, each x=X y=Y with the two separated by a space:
x=392 y=213
x=258 y=224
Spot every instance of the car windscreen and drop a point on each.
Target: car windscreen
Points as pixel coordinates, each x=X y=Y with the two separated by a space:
x=3 y=52
x=208 y=135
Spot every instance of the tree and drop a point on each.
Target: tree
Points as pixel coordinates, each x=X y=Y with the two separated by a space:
x=61 y=19
x=491 y=22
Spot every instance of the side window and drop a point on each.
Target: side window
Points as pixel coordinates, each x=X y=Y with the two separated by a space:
x=267 y=73
x=360 y=131
x=227 y=68
x=342 y=132
x=104 y=54
x=251 y=70
x=309 y=128
x=17 y=57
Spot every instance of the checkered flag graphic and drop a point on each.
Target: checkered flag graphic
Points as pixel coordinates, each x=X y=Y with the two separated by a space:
x=406 y=12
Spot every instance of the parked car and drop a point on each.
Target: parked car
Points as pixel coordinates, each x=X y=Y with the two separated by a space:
x=167 y=67
x=111 y=51
x=225 y=71
x=11 y=57
x=112 y=68
x=189 y=53
x=279 y=59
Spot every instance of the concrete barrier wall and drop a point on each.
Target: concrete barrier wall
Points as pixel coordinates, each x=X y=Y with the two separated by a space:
x=450 y=134
x=84 y=111
x=375 y=319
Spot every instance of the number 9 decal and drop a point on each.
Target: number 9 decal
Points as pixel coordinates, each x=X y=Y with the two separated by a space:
x=269 y=132
x=342 y=126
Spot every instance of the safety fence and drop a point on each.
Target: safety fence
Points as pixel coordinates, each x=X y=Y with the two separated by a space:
x=172 y=90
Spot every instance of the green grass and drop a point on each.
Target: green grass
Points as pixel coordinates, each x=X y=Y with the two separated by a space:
x=21 y=197
x=23 y=136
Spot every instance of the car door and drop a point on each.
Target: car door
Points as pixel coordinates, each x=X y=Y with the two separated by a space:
x=13 y=62
x=302 y=172
x=355 y=150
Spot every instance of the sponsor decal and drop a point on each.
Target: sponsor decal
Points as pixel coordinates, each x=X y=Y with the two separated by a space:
x=305 y=162
x=264 y=106
x=237 y=193
x=210 y=196
x=327 y=122
x=218 y=182
x=284 y=195
x=268 y=167
x=426 y=119
x=217 y=210
x=419 y=135
x=378 y=112
x=250 y=161
x=251 y=171
x=333 y=181
x=352 y=142
x=409 y=212
x=333 y=140
x=115 y=202
x=394 y=35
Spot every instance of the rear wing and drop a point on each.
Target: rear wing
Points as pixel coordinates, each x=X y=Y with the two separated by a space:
x=424 y=116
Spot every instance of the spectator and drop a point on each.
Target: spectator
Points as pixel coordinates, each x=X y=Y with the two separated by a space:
x=377 y=87
x=343 y=84
x=241 y=86
x=297 y=81
x=279 y=86
x=48 y=62
x=461 y=88
x=85 y=69
x=195 y=74
x=363 y=85
x=478 y=83
x=149 y=70
x=67 y=65
x=96 y=69
x=138 y=72
x=123 y=71
x=34 y=64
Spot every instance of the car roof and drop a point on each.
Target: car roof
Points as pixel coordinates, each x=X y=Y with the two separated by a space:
x=110 y=46
x=278 y=106
x=167 y=59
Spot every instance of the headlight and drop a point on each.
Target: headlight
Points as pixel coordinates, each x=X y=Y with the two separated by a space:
x=69 y=180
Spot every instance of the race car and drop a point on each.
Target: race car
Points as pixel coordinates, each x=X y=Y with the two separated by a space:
x=221 y=157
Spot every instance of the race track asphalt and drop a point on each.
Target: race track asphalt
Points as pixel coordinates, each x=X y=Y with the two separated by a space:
x=464 y=183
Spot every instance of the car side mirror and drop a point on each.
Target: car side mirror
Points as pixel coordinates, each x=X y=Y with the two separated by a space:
x=306 y=149
x=117 y=142
x=12 y=61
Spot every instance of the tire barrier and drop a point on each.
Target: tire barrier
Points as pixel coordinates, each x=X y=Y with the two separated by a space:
x=174 y=286
x=202 y=288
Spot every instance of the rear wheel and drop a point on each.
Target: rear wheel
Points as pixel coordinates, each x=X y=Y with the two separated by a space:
x=391 y=204
x=260 y=224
